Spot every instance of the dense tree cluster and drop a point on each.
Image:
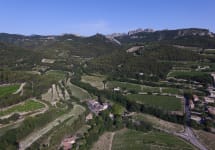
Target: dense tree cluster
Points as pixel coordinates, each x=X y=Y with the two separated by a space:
x=170 y=53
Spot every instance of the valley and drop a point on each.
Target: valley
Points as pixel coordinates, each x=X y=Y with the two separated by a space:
x=144 y=90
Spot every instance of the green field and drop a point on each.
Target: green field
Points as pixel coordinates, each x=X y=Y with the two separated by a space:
x=171 y=90
x=59 y=75
x=202 y=77
x=209 y=51
x=27 y=106
x=8 y=89
x=78 y=92
x=137 y=140
x=186 y=73
x=165 y=102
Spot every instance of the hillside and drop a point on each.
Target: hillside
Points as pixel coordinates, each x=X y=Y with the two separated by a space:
x=62 y=46
x=11 y=56
x=152 y=61
x=67 y=90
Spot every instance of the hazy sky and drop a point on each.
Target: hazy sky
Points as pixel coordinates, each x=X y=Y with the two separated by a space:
x=88 y=17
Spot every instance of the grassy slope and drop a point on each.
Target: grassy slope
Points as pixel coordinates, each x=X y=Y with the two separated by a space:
x=5 y=90
x=79 y=92
x=95 y=80
x=136 y=140
x=158 y=123
x=56 y=74
x=27 y=106
x=165 y=102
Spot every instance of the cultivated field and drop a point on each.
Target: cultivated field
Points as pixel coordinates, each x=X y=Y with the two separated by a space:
x=186 y=73
x=206 y=138
x=165 y=102
x=137 y=140
x=104 y=142
x=95 y=80
x=56 y=74
x=159 y=123
x=78 y=92
x=27 y=106
x=8 y=89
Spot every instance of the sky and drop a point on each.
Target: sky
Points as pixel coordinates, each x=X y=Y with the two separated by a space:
x=88 y=17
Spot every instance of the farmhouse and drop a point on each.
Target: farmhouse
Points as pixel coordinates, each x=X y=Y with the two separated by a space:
x=208 y=100
x=68 y=142
x=191 y=104
x=96 y=107
x=195 y=118
x=117 y=89
x=195 y=98
x=89 y=117
x=48 y=61
x=211 y=110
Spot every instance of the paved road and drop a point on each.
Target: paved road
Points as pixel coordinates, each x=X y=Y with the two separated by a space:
x=190 y=136
x=188 y=133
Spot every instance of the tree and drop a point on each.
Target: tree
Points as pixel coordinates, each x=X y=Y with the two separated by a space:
x=104 y=82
